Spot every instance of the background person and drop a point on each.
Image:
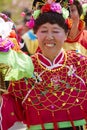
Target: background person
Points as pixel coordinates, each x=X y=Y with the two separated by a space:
x=77 y=35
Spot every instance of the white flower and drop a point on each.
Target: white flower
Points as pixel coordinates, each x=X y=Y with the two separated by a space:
x=65 y=13
x=71 y=70
x=5 y=28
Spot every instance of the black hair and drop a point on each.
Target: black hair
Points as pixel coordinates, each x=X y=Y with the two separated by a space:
x=79 y=7
x=7 y=13
x=52 y=18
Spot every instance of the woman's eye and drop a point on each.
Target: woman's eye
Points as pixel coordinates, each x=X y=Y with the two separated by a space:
x=44 y=31
x=55 y=31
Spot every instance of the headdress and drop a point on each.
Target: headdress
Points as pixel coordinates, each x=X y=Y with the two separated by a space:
x=54 y=6
x=40 y=3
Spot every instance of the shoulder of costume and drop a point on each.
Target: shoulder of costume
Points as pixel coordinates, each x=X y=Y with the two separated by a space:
x=74 y=54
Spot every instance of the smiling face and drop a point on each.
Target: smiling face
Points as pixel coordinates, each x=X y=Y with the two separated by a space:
x=51 y=38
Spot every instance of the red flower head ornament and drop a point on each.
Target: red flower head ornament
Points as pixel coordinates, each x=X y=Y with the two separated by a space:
x=46 y=8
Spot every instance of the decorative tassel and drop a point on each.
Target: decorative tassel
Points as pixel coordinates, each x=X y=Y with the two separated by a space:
x=54 y=122
x=84 y=114
x=27 y=116
x=42 y=125
x=72 y=123
x=19 y=111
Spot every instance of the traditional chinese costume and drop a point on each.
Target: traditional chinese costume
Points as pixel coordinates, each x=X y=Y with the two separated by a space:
x=55 y=97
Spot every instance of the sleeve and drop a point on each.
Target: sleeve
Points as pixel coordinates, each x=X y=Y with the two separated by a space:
x=83 y=39
x=84 y=68
x=10 y=113
x=86 y=72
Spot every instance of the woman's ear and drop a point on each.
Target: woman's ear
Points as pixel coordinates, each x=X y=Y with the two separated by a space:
x=66 y=35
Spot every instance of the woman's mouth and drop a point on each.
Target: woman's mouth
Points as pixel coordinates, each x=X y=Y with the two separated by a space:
x=50 y=45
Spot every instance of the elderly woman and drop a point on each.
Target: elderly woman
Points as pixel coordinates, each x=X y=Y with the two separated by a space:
x=55 y=97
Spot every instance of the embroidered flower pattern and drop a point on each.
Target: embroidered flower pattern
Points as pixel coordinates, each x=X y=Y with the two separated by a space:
x=37 y=77
x=71 y=70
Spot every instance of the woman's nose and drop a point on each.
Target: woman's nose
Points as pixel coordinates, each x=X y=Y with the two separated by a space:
x=49 y=36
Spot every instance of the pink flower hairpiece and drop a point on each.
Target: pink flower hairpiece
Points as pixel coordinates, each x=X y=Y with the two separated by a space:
x=71 y=1
x=31 y=23
x=56 y=7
